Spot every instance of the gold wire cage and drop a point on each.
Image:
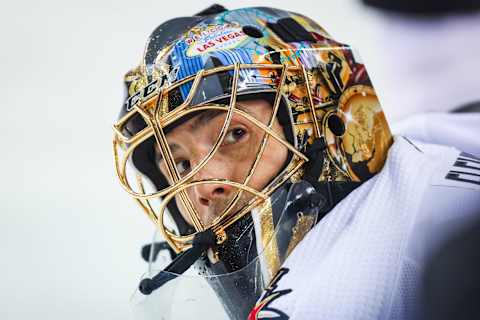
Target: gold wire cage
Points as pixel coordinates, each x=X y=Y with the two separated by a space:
x=154 y=111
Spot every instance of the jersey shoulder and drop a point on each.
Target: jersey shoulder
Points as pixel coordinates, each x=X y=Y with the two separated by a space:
x=449 y=203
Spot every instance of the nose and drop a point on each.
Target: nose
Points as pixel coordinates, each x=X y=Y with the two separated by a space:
x=210 y=194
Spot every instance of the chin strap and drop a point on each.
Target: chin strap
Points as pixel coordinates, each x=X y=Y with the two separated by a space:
x=201 y=242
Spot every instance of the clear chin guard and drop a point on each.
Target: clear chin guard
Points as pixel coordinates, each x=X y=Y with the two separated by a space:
x=202 y=291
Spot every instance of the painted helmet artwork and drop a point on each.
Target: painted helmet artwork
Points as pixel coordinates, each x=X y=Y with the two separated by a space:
x=241 y=130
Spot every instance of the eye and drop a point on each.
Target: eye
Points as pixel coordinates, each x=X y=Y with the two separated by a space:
x=234 y=135
x=183 y=166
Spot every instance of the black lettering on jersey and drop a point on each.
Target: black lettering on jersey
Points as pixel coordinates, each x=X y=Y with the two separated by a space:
x=463 y=177
x=465 y=169
x=262 y=309
x=465 y=161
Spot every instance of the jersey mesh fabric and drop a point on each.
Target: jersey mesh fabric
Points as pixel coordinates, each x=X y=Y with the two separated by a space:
x=355 y=263
x=406 y=295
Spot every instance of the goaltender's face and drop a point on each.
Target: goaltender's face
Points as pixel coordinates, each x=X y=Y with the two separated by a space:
x=191 y=142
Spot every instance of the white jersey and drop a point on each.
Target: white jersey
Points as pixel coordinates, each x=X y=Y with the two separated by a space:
x=460 y=130
x=364 y=259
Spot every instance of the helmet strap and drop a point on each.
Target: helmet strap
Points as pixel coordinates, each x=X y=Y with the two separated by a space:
x=332 y=191
x=316 y=155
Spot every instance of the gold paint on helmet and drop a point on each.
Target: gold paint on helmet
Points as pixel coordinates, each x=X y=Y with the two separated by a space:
x=365 y=141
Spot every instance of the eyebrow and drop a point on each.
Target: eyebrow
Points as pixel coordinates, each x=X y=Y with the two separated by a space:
x=199 y=121
x=206 y=116
x=203 y=118
x=173 y=147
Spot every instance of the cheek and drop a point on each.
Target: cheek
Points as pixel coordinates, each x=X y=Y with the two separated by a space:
x=271 y=162
x=275 y=156
x=241 y=161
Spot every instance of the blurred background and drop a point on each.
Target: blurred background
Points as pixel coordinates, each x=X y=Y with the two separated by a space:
x=70 y=236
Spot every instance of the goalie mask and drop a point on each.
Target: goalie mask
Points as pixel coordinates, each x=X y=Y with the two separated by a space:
x=241 y=130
